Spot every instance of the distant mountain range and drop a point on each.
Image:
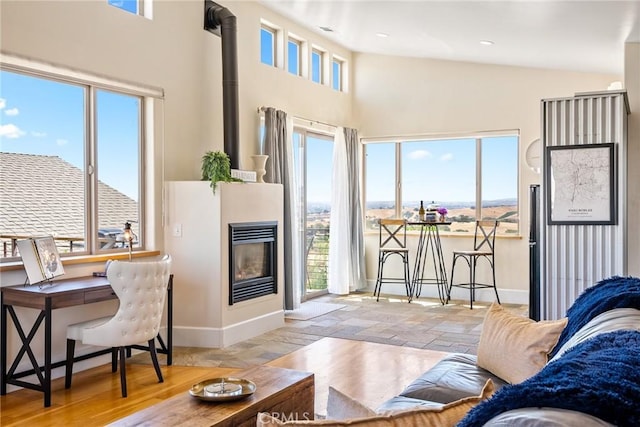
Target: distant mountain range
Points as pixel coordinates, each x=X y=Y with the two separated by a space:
x=448 y=205
x=320 y=207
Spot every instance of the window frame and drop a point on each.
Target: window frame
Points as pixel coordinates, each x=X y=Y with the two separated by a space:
x=274 y=44
x=297 y=42
x=339 y=86
x=143 y=8
x=305 y=129
x=90 y=85
x=316 y=51
x=478 y=136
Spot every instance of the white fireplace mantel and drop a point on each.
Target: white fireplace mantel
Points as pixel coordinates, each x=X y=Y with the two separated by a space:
x=197 y=237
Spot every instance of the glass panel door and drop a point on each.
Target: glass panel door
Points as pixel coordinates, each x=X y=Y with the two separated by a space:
x=313 y=155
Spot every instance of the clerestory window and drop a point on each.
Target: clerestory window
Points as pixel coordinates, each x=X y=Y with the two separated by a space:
x=317 y=58
x=294 y=50
x=268 y=45
x=132 y=6
x=336 y=74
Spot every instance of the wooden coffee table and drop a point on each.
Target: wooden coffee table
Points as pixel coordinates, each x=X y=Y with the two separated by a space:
x=285 y=392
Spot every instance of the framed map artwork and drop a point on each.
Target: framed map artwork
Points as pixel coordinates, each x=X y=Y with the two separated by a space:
x=580 y=182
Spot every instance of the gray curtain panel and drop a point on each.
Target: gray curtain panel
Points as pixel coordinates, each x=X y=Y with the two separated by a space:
x=357 y=234
x=276 y=147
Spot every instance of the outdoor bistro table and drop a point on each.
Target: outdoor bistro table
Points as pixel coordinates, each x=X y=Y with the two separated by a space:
x=429 y=251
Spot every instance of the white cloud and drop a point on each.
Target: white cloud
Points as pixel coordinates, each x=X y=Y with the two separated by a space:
x=10 y=131
x=3 y=103
x=12 y=112
x=62 y=141
x=420 y=154
x=446 y=157
x=38 y=134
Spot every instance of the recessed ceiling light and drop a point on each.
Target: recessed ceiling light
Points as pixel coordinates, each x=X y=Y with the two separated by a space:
x=383 y=35
x=486 y=42
x=327 y=29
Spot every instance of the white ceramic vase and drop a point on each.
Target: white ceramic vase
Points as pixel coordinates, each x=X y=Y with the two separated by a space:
x=259 y=162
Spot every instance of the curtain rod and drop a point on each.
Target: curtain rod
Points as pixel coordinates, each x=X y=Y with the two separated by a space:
x=311 y=122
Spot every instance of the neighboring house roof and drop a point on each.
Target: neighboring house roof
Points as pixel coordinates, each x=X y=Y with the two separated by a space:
x=44 y=195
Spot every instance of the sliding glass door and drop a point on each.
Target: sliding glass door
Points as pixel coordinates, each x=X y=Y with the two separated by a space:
x=313 y=154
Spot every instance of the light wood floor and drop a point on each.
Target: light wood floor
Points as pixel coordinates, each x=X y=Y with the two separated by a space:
x=94 y=398
x=368 y=372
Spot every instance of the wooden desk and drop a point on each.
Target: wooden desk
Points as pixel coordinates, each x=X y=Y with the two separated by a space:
x=429 y=241
x=46 y=298
x=285 y=392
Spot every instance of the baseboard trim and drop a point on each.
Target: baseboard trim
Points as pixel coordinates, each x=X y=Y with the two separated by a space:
x=508 y=296
x=189 y=336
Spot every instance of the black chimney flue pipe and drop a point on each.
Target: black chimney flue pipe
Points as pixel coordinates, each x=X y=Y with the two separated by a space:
x=214 y=16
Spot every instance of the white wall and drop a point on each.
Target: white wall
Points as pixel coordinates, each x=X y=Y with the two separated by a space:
x=411 y=96
x=262 y=85
x=173 y=52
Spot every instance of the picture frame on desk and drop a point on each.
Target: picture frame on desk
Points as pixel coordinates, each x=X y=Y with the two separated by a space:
x=40 y=258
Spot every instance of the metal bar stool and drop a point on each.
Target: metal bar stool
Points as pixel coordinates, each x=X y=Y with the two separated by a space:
x=393 y=241
x=483 y=248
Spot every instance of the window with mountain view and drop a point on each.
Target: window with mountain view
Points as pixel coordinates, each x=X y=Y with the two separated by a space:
x=64 y=172
x=444 y=173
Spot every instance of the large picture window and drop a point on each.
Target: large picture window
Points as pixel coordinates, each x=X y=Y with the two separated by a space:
x=70 y=163
x=472 y=177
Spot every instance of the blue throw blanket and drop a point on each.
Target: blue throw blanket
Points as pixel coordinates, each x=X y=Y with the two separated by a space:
x=615 y=292
x=600 y=377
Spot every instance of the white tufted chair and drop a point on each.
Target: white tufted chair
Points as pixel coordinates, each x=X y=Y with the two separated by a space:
x=141 y=288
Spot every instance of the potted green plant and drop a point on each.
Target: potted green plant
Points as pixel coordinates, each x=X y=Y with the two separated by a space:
x=216 y=167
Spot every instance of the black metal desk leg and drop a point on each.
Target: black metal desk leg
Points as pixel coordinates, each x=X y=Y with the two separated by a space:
x=47 y=353
x=170 y=322
x=3 y=352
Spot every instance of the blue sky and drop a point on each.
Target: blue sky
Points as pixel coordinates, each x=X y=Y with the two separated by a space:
x=128 y=5
x=319 y=170
x=43 y=117
x=443 y=171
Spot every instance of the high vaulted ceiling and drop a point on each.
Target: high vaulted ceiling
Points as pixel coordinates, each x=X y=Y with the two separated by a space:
x=571 y=35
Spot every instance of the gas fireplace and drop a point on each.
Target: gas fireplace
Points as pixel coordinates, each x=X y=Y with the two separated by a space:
x=252 y=260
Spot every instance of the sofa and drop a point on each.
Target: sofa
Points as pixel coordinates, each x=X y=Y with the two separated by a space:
x=583 y=370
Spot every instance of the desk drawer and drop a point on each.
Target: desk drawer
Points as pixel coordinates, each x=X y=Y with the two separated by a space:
x=99 y=295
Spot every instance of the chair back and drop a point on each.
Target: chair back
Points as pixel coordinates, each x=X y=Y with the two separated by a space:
x=485 y=235
x=141 y=288
x=393 y=233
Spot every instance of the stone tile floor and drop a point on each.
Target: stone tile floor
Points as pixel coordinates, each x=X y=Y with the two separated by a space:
x=424 y=323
